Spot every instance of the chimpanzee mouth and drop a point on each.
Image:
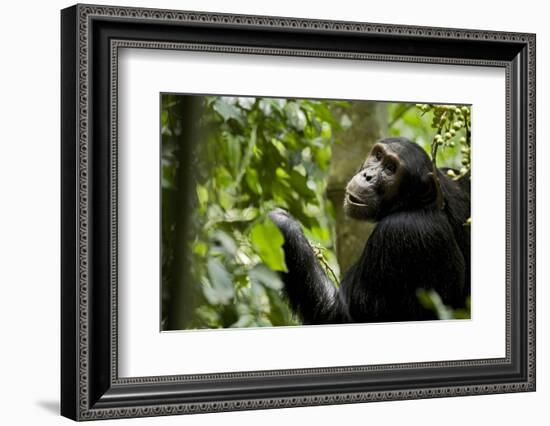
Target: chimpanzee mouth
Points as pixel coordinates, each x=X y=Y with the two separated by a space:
x=353 y=199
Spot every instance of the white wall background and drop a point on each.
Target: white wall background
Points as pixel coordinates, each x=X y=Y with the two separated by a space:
x=29 y=212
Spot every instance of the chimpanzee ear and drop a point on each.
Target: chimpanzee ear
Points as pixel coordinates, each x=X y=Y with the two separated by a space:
x=433 y=188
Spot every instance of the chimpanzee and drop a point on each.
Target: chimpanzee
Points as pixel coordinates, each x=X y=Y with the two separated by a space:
x=421 y=240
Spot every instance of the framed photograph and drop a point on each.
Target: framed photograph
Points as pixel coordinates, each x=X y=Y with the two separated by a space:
x=263 y=212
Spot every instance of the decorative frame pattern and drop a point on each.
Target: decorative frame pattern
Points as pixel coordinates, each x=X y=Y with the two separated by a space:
x=91 y=37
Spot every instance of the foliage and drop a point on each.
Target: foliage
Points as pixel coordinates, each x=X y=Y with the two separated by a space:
x=437 y=128
x=451 y=122
x=432 y=301
x=255 y=154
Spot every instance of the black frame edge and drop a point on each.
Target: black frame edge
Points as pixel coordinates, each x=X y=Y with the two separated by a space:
x=69 y=348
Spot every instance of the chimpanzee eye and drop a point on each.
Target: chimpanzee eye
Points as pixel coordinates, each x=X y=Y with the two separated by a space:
x=378 y=155
x=390 y=167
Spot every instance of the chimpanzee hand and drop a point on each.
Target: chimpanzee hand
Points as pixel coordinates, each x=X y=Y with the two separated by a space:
x=288 y=226
x=296 y=243
x=311 y=294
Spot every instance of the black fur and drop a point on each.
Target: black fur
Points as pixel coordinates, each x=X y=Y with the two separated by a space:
x=415 y=244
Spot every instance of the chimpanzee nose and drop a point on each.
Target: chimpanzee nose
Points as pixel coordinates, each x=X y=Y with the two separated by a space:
x=367 y=176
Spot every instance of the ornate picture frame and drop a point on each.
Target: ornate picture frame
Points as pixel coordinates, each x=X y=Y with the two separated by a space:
x=90 y=384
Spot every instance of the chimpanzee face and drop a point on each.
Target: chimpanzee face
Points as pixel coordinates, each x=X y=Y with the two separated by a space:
x=376 y=184
x=396 y=175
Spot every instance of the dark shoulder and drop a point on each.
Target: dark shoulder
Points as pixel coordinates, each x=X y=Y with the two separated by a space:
x=412 y=224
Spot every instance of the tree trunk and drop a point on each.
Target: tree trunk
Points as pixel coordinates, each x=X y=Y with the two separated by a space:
x=369 y=124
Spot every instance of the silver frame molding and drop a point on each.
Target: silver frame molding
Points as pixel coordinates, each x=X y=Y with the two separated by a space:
x=91 y=39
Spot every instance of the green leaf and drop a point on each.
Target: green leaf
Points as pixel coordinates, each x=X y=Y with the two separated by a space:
x=262 y=275
x=226 y=241
x=299 y=183
x=246 y=103
x=279 y=313
x=249 y=151
x=321 y=234
x=280 y=147
x=296 y=116
x=244 y=321
x=282 y=174
x=267 y=240
x=323 y=157
x=227 y=109
x=222 y=290
x=202 y=194
x=200 y=248
x=237 y=215
x=251 y=178
x=233 y=152
x=226 y=199
x=432 y=301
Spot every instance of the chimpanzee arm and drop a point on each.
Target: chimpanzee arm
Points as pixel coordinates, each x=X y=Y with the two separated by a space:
x=311 y=293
